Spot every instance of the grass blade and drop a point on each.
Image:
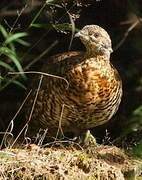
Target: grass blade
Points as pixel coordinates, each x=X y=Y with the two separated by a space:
x=22 y=42
x=9 y=53
x=14 y=37
x=6 y=66
x=3 y=31
x=19 y=84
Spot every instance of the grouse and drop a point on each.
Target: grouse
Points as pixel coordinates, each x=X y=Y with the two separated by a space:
x=84 y=92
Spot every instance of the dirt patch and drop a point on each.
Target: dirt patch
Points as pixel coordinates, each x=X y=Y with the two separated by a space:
x=33 y=162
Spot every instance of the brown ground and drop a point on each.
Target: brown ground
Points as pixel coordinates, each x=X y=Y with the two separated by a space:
x=101 y=162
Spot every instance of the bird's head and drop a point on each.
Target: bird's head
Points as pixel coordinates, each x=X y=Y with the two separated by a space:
x=95 y=39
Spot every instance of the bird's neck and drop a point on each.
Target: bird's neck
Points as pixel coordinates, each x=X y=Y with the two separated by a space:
x=105 y=56
x=90 y=53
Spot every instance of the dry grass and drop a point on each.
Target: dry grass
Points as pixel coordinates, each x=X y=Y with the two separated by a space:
x=33 y=162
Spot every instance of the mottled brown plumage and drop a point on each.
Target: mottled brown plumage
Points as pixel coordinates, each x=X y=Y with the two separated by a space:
x=94 y=91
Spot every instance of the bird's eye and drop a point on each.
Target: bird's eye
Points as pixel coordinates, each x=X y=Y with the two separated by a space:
x=96 y=35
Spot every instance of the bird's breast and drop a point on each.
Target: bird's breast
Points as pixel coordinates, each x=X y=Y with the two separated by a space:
x=92 y=82
x=96 y=90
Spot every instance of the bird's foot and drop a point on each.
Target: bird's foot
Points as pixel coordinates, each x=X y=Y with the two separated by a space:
x=87 y=139
x=89 y=143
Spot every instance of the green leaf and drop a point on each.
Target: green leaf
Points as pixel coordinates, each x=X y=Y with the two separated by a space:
x=21 y=41
x=6 y=66
x=64 y=27
x=137 y=150
x=59 y=27
x=138 y=111
x=38 y=14
x=19 y=84
x=1 y=77
x=3 y=31
x=53 y=3
x=49 y=1
x=38 y=25
x=5 y=50
x=9 y=81
x=14 y=37
x=9 y=53
x=15 y=61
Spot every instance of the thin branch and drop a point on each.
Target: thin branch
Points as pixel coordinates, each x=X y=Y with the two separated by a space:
x=41 y=73
x=41 y=55
x=35 y=99
x=19 y=14
x=127 y=33
x=60 y=123
x=11 y=124
x=15 y=11
x=73 y=26
x=30 y=116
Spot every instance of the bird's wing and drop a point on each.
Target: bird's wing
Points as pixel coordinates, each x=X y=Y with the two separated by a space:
x=61 y=63
x=57 y=65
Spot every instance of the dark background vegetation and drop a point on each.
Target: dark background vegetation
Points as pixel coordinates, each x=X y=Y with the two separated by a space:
x=51 y=21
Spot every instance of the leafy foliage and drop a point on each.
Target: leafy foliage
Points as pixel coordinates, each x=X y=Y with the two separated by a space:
x=9 y=58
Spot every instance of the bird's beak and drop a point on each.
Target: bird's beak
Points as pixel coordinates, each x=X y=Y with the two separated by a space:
x=77 y=34
x=110 y=50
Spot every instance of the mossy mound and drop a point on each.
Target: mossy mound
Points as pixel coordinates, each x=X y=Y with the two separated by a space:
x=33 y=162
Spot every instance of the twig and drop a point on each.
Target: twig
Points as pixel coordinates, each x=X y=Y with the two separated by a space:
x=73 y=26
x=30 y=116
x=60 y=123
x=11 y=122
x=37 y=15
x=19 y=14
x=35 y=99
x=41 y=55
x=42 y=138
x=41 y=73
x=127 y=33
x=15 y=12
x=73 y=30
x=70 y=141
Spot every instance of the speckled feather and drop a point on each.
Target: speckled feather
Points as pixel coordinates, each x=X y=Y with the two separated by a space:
x=94 y=91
